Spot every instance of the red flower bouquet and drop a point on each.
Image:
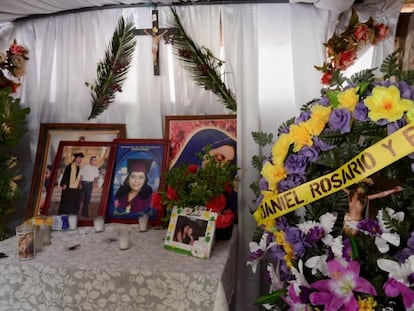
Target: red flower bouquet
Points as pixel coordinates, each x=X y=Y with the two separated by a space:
x=209 y=185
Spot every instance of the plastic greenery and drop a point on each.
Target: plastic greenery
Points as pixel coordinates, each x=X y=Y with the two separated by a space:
x=308 y=253
x=206 y=186
x=12 y=127
x=201 y=63
x=112 y=71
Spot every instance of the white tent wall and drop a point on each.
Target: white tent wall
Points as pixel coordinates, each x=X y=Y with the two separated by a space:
x=269 y=50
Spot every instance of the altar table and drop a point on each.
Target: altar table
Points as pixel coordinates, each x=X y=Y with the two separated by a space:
x=96 y=275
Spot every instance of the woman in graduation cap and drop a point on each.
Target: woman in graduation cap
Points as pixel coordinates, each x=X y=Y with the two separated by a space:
x=134 y=195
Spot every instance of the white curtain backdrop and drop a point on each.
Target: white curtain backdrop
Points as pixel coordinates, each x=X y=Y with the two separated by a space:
x=269 y=50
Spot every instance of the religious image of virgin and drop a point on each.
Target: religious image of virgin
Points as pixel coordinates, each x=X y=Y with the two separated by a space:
x=222 y=146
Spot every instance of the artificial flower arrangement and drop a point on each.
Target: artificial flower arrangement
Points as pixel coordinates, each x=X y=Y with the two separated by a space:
x=303 y=197
x=12 y=125
x=342 y=49
x=209 y=186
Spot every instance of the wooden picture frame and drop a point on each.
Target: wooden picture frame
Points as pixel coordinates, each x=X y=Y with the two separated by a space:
x=67 y=194
x=191 y=232
x=190 y=134
x=50 y=134
x=137 y=155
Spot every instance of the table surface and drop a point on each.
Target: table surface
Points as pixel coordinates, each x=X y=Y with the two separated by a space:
x=98 y=276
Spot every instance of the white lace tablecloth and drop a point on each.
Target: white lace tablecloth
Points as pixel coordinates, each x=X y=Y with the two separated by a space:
x=99 y=276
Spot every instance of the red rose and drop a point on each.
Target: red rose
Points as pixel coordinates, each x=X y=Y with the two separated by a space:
x=381 y=31
x=216 y=204
x=362 y=33
x=326 y=78
x=228 y=188
x=345 y=60
x=17 y=49
x=225 y=219
x=156 y=200
x=192 y=168
x=172 y=194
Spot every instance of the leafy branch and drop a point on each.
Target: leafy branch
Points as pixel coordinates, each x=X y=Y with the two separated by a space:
x=112 y=72
x=201 y=63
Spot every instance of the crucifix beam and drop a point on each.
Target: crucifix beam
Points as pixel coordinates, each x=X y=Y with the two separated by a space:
x=157 y=34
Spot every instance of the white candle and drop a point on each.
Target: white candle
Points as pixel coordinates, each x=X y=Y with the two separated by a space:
x=123 y=237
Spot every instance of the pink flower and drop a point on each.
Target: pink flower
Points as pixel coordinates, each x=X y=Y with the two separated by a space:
x=17 y=49
x=338 y=290
x=344 y=60
x=362 y=33
x=381 y=31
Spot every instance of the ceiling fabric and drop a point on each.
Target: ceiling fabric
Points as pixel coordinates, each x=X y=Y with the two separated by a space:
x=13 y=9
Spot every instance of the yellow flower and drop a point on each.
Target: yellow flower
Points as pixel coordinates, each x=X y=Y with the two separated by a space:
x=367 y=304
x=301 y=136
x=280 y=237
x=273 y=174
x=385 y=103
x=280 y=148
x=410 y=115
x=319 y=118
x=348 y=99
x=270 y=225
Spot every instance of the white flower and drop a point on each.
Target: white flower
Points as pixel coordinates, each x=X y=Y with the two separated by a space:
x=398 y=271
x=387 y=236
x=275 y=282
x=318 y=263
x=326 y=221
x=257 y=251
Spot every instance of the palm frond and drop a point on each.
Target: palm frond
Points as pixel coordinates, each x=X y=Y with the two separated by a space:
x=407 y=76
x=363 y=76
x=200 y=63
x=112 y=71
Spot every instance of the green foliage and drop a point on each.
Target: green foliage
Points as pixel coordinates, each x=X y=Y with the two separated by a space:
x=201 y=63
x=196 y=186
x=12 y=118
x=112 y=71
x=390 y=65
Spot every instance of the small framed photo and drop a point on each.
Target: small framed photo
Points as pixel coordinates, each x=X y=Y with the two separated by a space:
x=50 y=134
x=191 y=232
x=80 y=180
x=138 y=171
x=190 y=134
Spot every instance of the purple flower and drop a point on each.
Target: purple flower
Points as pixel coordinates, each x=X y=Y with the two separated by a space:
x=315 y=234
x=263 y=184
x=406 y=252
x=322 y=145
x=295 y=237
x=324 y=101
x=340 y=119
x=295 y=164
x=405 y=91
x=394 y=288
x=338 y=290
x=347 y=250
x=361 y=112
x=371 y=226
x=304 y=116
x=290 y=182
x=311 y=153
x=395 y=126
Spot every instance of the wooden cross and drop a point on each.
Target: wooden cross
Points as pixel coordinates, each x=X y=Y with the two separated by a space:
x=156 y=34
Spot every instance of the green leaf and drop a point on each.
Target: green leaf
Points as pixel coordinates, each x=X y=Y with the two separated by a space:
x=200 y=62
x=390 y=65
x=112 y=71
x=272 y=298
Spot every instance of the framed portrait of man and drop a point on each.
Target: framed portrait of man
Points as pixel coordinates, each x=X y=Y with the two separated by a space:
x=80 y=180
x=138 y=170
x=50 y=135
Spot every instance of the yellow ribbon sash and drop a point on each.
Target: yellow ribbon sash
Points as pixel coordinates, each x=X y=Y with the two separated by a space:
x=383 y=153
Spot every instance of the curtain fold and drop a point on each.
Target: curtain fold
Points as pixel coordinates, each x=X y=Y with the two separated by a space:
x=269 y=52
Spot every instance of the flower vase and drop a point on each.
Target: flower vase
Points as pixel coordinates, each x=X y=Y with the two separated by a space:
x=223 y=234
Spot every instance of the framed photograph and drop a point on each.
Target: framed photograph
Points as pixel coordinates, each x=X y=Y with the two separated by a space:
x=191 y=232
x=50 y=134
x=189 y=135
x=138 y=170
x=80 y=180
